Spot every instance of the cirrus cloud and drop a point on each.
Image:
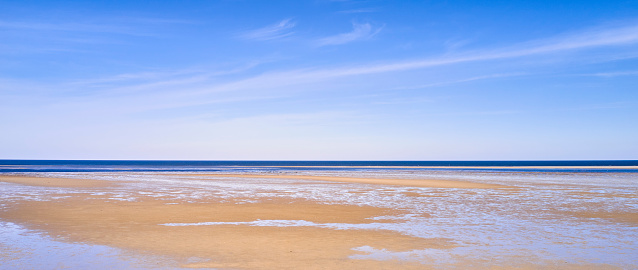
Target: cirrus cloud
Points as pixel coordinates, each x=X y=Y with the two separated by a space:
x=359 y=32
x=275 y=31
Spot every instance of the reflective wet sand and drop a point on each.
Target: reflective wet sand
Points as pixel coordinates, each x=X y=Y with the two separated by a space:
x=378 y=219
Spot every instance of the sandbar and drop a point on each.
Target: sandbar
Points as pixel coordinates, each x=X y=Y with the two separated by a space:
x=138 y=226
x=430 y=183
x=53 y=182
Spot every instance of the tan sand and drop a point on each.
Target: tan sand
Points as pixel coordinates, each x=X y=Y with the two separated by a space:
x=432 y=183
x=135 y=226
x=628 y=218
x=52 y=182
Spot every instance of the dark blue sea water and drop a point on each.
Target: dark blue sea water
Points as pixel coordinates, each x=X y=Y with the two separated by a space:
x=17 y=166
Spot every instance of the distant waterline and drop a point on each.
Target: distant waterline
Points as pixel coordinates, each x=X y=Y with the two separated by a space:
x=18 y=166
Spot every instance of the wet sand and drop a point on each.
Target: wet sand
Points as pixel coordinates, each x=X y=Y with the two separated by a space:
x=270 y=229
x=430 y=183
x=135 y=226
x=83 y=217
x=52 y=182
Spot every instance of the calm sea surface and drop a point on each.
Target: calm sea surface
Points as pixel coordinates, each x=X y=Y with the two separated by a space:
x=17 y=166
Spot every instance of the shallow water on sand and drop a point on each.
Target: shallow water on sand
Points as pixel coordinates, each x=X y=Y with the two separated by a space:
x=542 y=219
x=25 y=249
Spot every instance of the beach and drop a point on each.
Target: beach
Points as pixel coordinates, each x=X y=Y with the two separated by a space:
x=332 y=219
x=323 y=134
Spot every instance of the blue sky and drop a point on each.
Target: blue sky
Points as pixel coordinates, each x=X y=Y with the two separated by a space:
x=319 y=80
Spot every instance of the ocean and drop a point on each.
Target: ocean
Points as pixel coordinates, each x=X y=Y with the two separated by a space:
x=20 y=166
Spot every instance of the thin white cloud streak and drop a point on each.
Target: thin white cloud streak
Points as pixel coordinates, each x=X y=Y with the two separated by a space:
x=402 y=101
x=588 y=39
x=281 y=81
x=276 y=31
x=592 y=38
x=127 y=77
x=361 y=10
x=614 y=74
x=476 y=78
x=454 y=45
x=359 y=32
x=474 y=113
x=160 y=21
x=113 y=25
x=72 y=27
x=137 y=83
x=199 y=89
x=600 y=106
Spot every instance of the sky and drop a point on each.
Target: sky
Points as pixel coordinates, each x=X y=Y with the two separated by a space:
x=319 y=80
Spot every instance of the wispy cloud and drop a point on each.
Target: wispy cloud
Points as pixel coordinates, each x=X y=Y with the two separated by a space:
x=112 y=28
x=614 y=74
x=78 y=34
x=277 y=81
x=139 y=83
x=360 y=10
x=455 y=44
x=359 y=32
x=627 y=34
x=402 y=101
x=276 y=31
x=588 y=39
x=196 y=88
x=566 y=43
x=471 y=79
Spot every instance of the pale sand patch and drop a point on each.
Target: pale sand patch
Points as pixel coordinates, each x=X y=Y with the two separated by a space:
x=136 y=226
x=621 y=216
x=53 y=182
x=603 y=195
x=431 y=183
x=584 y=211
x=628 y=218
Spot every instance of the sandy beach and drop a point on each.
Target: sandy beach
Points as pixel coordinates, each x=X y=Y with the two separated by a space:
x=322 y=134
x=279 y=221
